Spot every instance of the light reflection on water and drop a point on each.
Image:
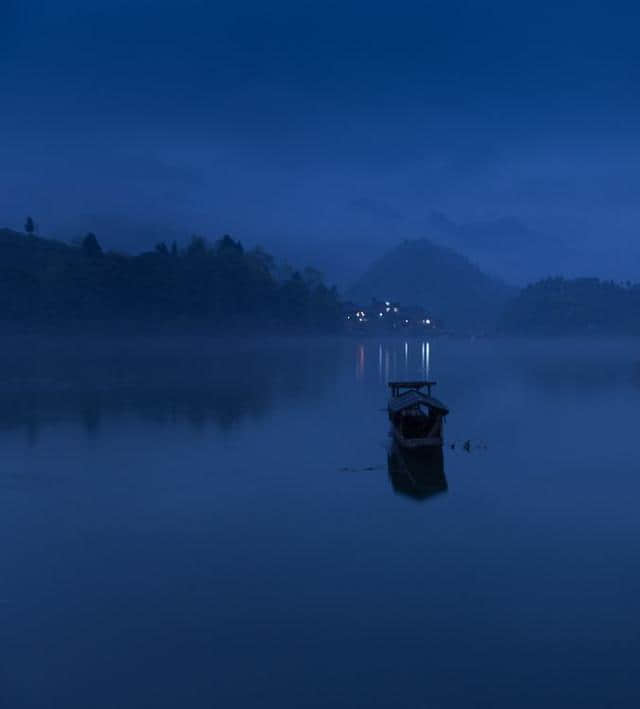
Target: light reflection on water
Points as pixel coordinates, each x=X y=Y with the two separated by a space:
x=415 y=359
x=190 y=524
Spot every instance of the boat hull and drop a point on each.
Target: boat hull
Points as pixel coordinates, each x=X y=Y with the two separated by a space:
x=415 y=443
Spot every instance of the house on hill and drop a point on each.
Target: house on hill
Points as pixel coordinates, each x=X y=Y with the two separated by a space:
x=388 y=316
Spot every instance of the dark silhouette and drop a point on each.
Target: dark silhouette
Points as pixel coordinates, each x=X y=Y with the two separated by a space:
x=91 y=247
x=558 y=306
x=216 y=286
x=29 y=226
x=438 y=279
x=416 y=474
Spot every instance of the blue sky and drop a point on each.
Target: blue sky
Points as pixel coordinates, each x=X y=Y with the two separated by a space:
x=329 y=131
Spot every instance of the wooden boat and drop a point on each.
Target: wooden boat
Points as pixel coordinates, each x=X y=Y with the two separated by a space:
x=416 y=417
x=416 y=473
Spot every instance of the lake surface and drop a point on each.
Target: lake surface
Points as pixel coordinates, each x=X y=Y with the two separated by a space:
x=191 y=524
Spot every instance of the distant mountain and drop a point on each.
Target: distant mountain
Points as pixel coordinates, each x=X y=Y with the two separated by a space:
x=439 y=279
x=505 y=247
x=558 y=306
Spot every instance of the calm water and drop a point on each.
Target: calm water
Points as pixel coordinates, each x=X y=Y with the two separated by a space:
x=186 y=524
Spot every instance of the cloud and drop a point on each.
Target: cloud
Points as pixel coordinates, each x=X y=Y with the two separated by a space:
x=376 y=208
x=504 y=246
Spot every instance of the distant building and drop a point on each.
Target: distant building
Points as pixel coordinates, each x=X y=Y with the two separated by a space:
x=388 y=316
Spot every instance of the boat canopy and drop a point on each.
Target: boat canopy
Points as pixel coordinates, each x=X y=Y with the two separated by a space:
x=412 y=398
x=416 y=384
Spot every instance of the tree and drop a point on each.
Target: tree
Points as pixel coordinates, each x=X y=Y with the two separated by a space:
x=90 y=246
x=29 y=226
x=220 y=285
x=227 y=244
x=312 y=277
x=197 y=246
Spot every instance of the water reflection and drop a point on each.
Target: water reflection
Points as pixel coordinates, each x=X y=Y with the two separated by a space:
x=424 y=358
x=193 y=382
x=417 y=475
x=395 y=358
x=360 y=355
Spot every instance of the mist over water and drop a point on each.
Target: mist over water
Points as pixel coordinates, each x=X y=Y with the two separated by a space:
x=203 y=208
x=194 y=522
x=328 y=134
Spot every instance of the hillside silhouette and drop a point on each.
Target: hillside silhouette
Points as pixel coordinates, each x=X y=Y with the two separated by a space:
x=219 y=285
x=560 y=306
x=438 y=279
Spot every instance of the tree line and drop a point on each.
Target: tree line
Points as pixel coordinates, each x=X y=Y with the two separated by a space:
x=560 y=306
x=221 y=284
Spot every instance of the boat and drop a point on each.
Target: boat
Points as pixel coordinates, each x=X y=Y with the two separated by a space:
x=416 y=473
x=417 y=417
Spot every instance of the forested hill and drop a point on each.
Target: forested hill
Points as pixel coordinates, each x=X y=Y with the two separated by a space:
x=557 y=306
x=218 y=285
x=438 y=279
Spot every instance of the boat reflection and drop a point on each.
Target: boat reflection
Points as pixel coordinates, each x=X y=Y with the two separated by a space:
x=416 y=474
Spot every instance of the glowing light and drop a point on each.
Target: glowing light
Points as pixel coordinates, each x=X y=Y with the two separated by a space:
x=427 y=360
x=360 y=362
